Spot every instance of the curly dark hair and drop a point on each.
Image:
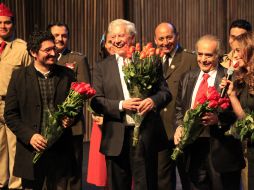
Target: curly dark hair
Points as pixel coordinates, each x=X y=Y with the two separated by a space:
x=35 y=40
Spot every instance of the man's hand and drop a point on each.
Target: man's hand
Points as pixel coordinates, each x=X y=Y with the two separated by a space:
x=224 y=83
x=38 y=142
x=131 y=104
x=178 y=134
x=209 y=118
x=145 y=106
x=67 y=121
x=97 y=119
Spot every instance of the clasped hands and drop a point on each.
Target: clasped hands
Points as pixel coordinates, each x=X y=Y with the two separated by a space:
x=141 y=106
x=39 y=142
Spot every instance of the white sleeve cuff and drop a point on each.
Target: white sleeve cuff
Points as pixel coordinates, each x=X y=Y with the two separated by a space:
x=121 y=105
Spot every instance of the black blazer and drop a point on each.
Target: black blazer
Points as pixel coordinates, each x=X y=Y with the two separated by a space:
x=23 y=109
x=109 y=93
x=226 y=151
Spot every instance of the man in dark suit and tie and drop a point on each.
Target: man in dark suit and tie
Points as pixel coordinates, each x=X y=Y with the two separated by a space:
x=214 y=159
x=175 y=62
x=78 y=63
x=126 y=163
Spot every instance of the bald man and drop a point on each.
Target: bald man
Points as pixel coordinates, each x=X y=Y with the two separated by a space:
x=176 y=62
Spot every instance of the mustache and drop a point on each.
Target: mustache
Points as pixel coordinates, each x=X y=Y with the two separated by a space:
x=60 y=42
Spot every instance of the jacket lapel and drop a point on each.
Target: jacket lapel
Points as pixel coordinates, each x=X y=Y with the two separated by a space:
x=191 y=85
x=220 y=74
x=32 y=77
x=116 y=74
x=175 y=62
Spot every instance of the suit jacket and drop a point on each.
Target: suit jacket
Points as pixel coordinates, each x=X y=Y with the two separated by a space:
x=182 y=62
x=106 y=101
x=226 y=151
x=23 y=110
x=82 y=73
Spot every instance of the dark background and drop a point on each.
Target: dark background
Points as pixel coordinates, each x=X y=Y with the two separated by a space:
x=88 y=19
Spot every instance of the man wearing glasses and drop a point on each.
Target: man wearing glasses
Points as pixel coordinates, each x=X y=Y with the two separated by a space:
x=33 y=92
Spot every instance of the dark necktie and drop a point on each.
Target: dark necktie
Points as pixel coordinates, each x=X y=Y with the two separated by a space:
x=202 y=89
x=3 y=44
x=166 y=65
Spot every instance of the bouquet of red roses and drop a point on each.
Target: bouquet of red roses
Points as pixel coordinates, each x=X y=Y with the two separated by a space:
x=141 y=72
x=71 y=107
x=192 y=126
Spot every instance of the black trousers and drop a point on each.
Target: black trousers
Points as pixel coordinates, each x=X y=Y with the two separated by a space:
x=202 y=173
x=134 y=166
x=167 y=170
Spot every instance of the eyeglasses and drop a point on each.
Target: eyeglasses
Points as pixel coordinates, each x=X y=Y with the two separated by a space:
x=48 y=50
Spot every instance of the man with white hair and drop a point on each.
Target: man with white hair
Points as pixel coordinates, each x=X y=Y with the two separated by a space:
x=215 y=160
x=126 y=163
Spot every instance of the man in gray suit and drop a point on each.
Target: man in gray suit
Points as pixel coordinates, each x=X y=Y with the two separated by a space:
x=175 y=62
x=78 y=63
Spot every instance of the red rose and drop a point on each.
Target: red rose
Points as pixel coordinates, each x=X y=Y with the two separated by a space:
x=225 y=105
x=138 y=48
x=80 y=87
x=213 y=104
x=212 y=94
x=151 y=52
x=149 y=45
x=142 y=55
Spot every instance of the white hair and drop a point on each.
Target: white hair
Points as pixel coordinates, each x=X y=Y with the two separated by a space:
x=131 y=29
x=211 y=38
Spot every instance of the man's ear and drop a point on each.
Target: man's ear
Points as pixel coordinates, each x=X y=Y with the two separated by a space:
x=34 y=54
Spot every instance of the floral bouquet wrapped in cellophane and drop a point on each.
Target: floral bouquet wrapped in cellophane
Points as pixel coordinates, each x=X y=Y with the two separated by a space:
x=71 y=107
x=141 y=72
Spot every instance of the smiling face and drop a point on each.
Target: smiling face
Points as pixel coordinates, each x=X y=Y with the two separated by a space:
x=61 y=37
x=121 y=39
x=238 y=53
x=165 y=38
x=6 y=27
x=46 y=55
x=207 y=55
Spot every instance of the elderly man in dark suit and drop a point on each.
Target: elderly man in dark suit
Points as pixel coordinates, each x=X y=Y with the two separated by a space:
x=78 y=63
x=125 y=162
x=215 y=160
x=32 y=91
x=175 y=62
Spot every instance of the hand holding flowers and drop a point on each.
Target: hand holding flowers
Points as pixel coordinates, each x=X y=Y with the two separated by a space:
x=63 y=118
x=141 y=72
x=204 y=114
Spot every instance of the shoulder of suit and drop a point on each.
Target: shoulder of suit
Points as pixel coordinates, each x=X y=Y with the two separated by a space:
x=189 y=51
x=19 y=42
x=76 y=53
